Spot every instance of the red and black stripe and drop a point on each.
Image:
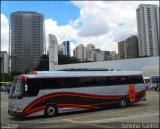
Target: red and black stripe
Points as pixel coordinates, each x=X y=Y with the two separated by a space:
x=75 y=100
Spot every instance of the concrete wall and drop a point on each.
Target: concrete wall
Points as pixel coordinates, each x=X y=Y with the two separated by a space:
x=136 y=64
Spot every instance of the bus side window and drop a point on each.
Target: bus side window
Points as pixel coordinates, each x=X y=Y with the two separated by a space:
x=89 y=81
x=33 y=87
x=136 y=79
x=124 y=80
x=70 y=82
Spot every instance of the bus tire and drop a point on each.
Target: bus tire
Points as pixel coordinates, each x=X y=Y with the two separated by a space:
x=50 y=110
x=123 y=102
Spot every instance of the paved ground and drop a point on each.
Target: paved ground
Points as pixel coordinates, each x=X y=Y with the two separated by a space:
x=140 y=115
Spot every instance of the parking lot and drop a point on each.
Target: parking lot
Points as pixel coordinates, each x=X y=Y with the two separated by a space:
x=141 y=115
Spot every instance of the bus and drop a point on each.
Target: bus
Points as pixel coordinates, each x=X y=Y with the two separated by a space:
x=48 y=93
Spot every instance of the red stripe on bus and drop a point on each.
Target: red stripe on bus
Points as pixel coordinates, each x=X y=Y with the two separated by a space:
x=77 y=105
x=70 y=94
x=75 y=94
x=141 y=96
x=35 y=110
x=63 y=106
x=141 y=92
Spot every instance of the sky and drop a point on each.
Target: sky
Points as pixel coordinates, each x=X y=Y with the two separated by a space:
x=102 y=23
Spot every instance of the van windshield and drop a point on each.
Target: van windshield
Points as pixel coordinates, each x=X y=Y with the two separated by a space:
x=156 y=79
x=16 y=88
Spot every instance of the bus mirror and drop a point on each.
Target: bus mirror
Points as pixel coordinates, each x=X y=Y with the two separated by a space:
x=26 y=88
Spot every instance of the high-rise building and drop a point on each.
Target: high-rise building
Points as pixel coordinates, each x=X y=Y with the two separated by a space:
x=90 y=56
x=4 y=58
x=128 y=48
x=107 y=55
x=26 y=40
x=148 y=30
x=113 y=55
x=80 y=52
x=121 y=50
x=64 y=48
x=98 y=55
x=131 y=47
x=53 y=52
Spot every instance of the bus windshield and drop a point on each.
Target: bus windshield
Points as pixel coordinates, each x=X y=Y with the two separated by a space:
x=16 y=88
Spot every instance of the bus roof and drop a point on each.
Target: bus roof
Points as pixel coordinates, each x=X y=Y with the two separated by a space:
x=58 y=74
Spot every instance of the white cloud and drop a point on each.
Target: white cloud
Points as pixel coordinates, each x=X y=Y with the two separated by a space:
x=4 y=32
x=92 y=25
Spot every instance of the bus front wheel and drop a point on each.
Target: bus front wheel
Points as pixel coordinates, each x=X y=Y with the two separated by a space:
x=50 y=110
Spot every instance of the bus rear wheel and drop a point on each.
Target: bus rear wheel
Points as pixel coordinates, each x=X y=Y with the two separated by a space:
x=123 y=102
x=50 y=110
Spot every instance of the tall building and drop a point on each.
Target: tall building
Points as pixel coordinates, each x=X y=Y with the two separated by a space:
x=26 y=40
x=64 y=48
x=90 y=56
x=98 y=55
x=129 y=48
x=148 y=30
x=113 y=55
x=4 y=58
x=80 y=52
x=121 y=50
x=107 y=55
x=53 y=52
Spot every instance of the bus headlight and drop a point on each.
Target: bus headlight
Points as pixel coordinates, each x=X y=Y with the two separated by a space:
x=18 y=108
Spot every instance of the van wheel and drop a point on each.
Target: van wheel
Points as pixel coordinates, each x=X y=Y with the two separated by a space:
x=50 y=110
x=123 y=102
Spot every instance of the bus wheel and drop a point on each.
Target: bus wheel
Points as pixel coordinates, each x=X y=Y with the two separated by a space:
x=123 y=102
x=50 y=110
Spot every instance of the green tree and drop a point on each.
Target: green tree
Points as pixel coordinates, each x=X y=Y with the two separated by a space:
x=6 y=77
x=62 y=59
x=14 y=73
x=43 y=63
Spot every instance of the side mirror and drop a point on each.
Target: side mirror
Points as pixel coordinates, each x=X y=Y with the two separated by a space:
x=26 y=87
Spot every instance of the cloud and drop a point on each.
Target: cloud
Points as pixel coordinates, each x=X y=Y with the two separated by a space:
x=4 y=32
x=92 y=24
x=108 y=22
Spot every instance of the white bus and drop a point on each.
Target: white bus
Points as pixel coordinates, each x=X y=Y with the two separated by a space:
x=49 y=93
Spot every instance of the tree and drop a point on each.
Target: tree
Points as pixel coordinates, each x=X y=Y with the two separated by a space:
x=6 y=77
x=14 y=73
x=62 y=59
x=43 y=63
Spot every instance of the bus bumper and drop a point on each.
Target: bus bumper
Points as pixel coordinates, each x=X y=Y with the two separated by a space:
x=16 y=113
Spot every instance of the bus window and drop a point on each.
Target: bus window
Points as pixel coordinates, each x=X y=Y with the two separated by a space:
x=90 y=81
x=70 y=82
x=116 y=80
x=136 y=79
x=33 y=87
x=52 y=83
